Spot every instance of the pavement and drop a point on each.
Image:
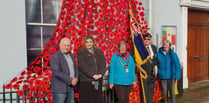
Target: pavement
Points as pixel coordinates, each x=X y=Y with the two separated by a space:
x=197 y=92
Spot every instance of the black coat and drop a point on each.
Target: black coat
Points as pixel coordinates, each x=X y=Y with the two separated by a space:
x=149 y=65
x=90 y=64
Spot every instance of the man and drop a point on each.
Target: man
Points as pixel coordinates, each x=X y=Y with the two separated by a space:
x=150 y=67
x=64 y=73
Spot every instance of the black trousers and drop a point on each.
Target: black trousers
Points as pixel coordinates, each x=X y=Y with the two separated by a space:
x=88 y=94
x=122 y=93
x=149 y=85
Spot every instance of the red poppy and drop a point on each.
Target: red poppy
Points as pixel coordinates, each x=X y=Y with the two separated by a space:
x=18 y=82
x=53 y=50
x=20 y=93
x=38 y=61
x=73 y=27
x=38 y=82
x=76 y=95
x=23 y=73
x=28 y=77
x=32 y=101
x=89 y=9
x=145 y=22
x=33 y=89
x=73 y=20
x=108 y=61
x=45 y=63
x=49 y=101
x=49 y=95
x=42 y=95
x=142 y=19
x=16 y=86
x=41 y=89
x=140 y=3
x=79 y=8
x=95 y=10
x=21 y=77
x=91 y=15
x=58 y=38
x=36 y=69
x=92 y=26
x=35 y=95
x=25 y=87
x=29 y=95
x=139 y=8
x=47 y=89
x=8 y=86
x=72 y=13
x=14 y=80
x=47 y=56
x=41 y=101
x=40 y=74
x=23 y=98
x=48 y=74
x=100 y=45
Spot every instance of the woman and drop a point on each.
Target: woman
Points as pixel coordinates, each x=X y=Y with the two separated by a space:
x=92 y=66
x=169 y=70
x=122 y=73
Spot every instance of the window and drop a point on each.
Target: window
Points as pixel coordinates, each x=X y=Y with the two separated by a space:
x=41 y=18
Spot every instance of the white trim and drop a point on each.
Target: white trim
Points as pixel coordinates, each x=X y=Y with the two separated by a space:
x=184 y=44
x=41 y=24
x=200 y=4
x=34 y=49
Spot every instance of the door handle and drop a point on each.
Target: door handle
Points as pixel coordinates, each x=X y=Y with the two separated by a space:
x=196 y=57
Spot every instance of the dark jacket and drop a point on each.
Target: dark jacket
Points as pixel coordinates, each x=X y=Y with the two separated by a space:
x=61 y=79
x=168 y=65
x=90 y=64
x=149 y=65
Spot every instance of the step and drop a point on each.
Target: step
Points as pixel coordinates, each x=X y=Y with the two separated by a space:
x=199 y=85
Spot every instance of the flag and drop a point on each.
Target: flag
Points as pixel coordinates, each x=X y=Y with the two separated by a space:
x=141 y=53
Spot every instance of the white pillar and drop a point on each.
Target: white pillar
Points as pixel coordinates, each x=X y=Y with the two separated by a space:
x=184 y=44
x=150 y=15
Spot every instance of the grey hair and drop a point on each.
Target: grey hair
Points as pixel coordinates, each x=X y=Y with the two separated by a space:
x=167 y=42
x=122 y=43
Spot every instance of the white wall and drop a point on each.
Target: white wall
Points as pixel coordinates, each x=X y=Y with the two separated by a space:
x=13 y=56
x=168 y=12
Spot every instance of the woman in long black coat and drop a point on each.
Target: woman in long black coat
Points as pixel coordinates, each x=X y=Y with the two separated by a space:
x=92 y=67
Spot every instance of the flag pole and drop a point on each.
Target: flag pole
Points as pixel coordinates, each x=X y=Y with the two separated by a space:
x=138 y=65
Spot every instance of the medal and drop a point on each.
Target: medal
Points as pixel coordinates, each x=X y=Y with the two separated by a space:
x=125 y=66
x=126 y=70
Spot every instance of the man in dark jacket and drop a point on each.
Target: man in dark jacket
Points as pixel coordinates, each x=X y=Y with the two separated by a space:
x=64 y=73
x=150 y=67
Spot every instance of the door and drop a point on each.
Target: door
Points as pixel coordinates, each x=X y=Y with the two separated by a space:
x=198 y=45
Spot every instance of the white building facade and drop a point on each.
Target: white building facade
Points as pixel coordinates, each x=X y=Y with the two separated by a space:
x=13 y=23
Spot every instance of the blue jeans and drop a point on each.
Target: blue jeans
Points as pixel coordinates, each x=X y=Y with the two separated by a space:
x=64 y=97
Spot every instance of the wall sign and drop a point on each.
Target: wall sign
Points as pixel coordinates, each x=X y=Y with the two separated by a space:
x=169 y=33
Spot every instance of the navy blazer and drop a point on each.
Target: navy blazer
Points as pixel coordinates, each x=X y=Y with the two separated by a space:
x=61 y=79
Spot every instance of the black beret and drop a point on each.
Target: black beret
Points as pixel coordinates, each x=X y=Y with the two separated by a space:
x=147 y=35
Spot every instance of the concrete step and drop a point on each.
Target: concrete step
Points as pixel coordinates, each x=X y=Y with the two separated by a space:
x=198 y=85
